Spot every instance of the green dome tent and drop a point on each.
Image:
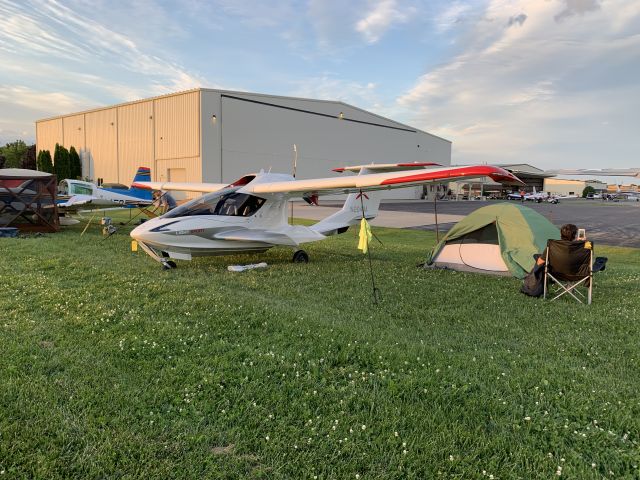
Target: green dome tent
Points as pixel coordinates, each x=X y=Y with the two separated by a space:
x=499 y=239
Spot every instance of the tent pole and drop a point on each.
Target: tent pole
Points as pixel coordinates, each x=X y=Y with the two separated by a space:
x=435 y=210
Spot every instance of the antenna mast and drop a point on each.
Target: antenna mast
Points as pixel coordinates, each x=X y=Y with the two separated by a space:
x=295 y=167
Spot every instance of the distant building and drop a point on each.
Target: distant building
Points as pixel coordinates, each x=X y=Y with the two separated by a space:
x=206 y=135
x=563 y=187
x=631 y=188
x=533 y=178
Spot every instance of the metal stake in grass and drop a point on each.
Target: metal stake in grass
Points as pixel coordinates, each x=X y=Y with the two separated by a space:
x=375 y=294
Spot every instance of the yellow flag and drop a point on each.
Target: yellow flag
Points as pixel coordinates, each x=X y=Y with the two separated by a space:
x=365 y=236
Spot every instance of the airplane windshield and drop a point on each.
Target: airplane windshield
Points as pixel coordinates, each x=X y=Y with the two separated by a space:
x=227 y=202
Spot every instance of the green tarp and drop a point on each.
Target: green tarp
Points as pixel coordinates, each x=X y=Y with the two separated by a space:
x=521 y=232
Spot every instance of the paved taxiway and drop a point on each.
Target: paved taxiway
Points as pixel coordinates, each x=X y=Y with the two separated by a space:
x=610 y=223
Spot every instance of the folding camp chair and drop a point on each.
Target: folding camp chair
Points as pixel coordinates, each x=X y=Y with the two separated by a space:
x=569 y=266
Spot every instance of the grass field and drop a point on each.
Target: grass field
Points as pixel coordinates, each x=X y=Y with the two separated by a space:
x=113 y=368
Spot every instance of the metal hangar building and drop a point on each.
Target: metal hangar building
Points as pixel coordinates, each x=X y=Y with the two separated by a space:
x=206 y=135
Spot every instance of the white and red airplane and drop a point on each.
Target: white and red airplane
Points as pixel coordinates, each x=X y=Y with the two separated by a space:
x=250 y=215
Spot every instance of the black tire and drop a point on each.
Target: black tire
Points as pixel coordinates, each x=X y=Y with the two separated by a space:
x=300 y=256
x=172 y=264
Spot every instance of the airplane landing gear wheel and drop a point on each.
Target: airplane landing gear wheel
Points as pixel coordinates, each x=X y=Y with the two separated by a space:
x=169 y=265
x=300 y=256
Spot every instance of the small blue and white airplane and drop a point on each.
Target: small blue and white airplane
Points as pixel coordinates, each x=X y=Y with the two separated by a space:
x=77 y=194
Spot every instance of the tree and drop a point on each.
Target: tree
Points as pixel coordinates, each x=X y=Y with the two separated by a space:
x=44 y=162
x=28 y=159
x=75 y=165
x=3 y=160
x=61 y=165
x=13 y=153
x=587 y=190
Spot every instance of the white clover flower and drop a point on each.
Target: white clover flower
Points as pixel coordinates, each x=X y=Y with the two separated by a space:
x=528 y=419
x=363 y=427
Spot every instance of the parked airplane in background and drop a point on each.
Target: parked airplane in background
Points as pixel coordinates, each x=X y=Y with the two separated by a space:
x=533 y=197
x=78 y=194
x=250 y=215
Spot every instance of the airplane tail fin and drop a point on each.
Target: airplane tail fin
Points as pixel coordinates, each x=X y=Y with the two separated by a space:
x=142 y=175
x=351 y=212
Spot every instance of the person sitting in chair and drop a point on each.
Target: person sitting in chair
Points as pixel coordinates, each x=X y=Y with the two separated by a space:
x=569 y=232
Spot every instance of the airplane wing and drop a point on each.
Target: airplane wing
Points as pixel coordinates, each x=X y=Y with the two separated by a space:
x=382 y=181
x=386 y=167
x=183 y=187
x=77 y=200
x=90 y=202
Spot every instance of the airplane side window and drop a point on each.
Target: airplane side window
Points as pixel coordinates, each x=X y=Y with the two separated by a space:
x=230 y=204
x=238 y=205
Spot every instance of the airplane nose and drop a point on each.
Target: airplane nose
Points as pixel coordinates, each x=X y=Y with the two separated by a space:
x=142 y=231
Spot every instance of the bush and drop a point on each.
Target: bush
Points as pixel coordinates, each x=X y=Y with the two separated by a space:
x=588 y=190
x=75 y=165
x=44 y=163
x=28 y=159
x=61 y=165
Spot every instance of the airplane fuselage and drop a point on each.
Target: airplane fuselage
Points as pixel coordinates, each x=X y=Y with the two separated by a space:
x=102 y=197
x=223 y=223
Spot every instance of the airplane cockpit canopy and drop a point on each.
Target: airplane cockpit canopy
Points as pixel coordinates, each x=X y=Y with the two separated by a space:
x=74 y=187
x=226 y=202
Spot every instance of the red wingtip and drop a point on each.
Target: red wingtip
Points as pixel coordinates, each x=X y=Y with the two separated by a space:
x=339 y=170
x=498 y=174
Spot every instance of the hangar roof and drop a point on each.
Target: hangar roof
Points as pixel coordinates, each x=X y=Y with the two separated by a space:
x=245 y=94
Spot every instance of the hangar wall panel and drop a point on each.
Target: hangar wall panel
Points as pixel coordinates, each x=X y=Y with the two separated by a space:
x=102 y=144
x=210 y=134
x=135 y=139
x=73 y=127
x=48 y=133
x=179 y=170
x=258 y=136
x=177 y=132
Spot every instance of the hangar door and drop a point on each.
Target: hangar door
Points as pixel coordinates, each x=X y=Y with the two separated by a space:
x=259 y=134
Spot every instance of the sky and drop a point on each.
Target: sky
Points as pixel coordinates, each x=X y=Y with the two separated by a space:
x=552 y=83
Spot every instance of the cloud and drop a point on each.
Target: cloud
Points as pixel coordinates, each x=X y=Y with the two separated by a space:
x=328 y=87
x=383 y=15
x=518 y=19
x=451 y=16
x=40 y=101
x=540 y=92
x=576 y=7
